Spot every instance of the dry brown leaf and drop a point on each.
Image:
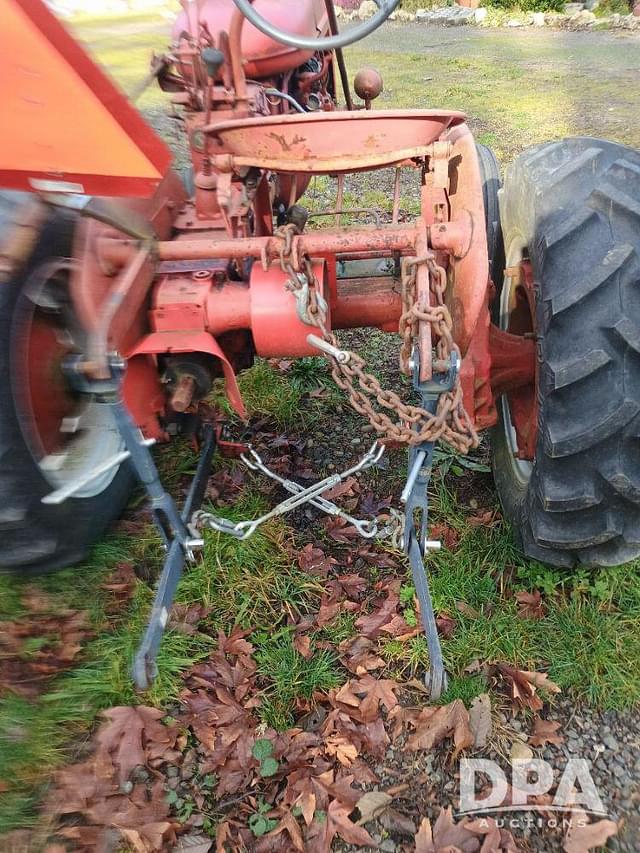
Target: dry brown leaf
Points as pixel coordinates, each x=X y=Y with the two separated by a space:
x=372 y=804
x=336 y=822
x=307 y=805
x=583 y=836
x=315 y=561
x=395 y=821
x=370 y=626
x=357 y=655
x=120 y=743
x=347 y=487
x=434 y=724
x=302 y=644
x=338 y=529
x=480 y=719
x=446 y=625
x=523 y=686
x=467 y=610
x=544 y=732
x=424 y=837
x=530 y=605
x=485 y=518
x=342 y=749
x=445 y=533
x=289 y=825
x=193 y=843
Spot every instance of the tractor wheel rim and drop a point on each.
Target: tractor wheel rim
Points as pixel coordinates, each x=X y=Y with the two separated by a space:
x=68 y=435
x=521 y=468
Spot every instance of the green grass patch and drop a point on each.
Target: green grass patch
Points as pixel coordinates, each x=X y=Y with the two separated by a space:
x=283 y=395
x=290 y=677
x=588 y=640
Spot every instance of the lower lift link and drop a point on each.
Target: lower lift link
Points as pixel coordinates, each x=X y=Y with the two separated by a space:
x=182 y=540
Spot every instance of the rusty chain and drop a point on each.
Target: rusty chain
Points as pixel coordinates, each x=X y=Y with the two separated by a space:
x=415 y=425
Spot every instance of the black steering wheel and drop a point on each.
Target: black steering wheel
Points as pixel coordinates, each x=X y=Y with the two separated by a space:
x=385 y=8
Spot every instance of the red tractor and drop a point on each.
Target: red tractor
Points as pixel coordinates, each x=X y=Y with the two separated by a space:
x=125 y=291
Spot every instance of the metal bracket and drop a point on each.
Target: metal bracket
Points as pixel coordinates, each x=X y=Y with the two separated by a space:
x=179 y=539
x=144 y=668
x=416 y=500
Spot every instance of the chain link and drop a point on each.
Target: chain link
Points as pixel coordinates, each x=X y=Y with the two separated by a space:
x=413 y=424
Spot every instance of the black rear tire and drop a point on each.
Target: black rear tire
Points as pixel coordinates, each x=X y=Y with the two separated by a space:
x=575 y=207
x=35 y=537
x=491 y=183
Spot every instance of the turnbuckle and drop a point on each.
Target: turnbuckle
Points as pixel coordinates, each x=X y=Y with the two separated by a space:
x=299 y=496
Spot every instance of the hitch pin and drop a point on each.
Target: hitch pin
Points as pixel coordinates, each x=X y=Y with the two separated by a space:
x=340 y=355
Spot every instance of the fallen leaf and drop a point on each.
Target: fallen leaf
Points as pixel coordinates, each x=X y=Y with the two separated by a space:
x=446 y=625
x=583 y=836
x=523 y=686
x=302 y=644
x=344 y=751
x=544 y=732
x=447 y=836
x=185 y=618
x=434 y=724
x=370 y=626
x=315 y=561
x=345 y=488
x=306 y=802
x=336 y=822
x=193 y=843
x=395 y=821
x=480 y=719
x=467 y=610
x=357 y=656
x=530 y=605
x=486 y=518
x=367 y=694
x=446 y=534
x=372 y=804
x=338 y=529
x=424 y=837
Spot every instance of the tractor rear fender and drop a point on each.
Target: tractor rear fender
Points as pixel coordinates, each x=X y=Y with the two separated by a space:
x=469 y=267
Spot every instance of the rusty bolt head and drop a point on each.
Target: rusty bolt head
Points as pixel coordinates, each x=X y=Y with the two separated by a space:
x=368 y=84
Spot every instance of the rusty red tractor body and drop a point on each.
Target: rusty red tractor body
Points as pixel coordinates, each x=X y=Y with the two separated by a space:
x=124 y=273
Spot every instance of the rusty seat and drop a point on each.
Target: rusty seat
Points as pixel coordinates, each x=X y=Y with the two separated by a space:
x=332 y=142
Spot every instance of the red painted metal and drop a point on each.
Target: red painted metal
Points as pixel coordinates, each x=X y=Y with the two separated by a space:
x=378 y=242
x=520 y=381
x=513 y=361
x=212 y=285
x=47 y=394
x=262 y=57
x=273 y=310
x=65 y=126
x=328 y=143
x=366 y=302
x=468 y=272
x=166 y=343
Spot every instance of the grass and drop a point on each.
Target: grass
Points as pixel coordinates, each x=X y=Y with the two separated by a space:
x=283 y=395
x=589 y=639
x=289 y=677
